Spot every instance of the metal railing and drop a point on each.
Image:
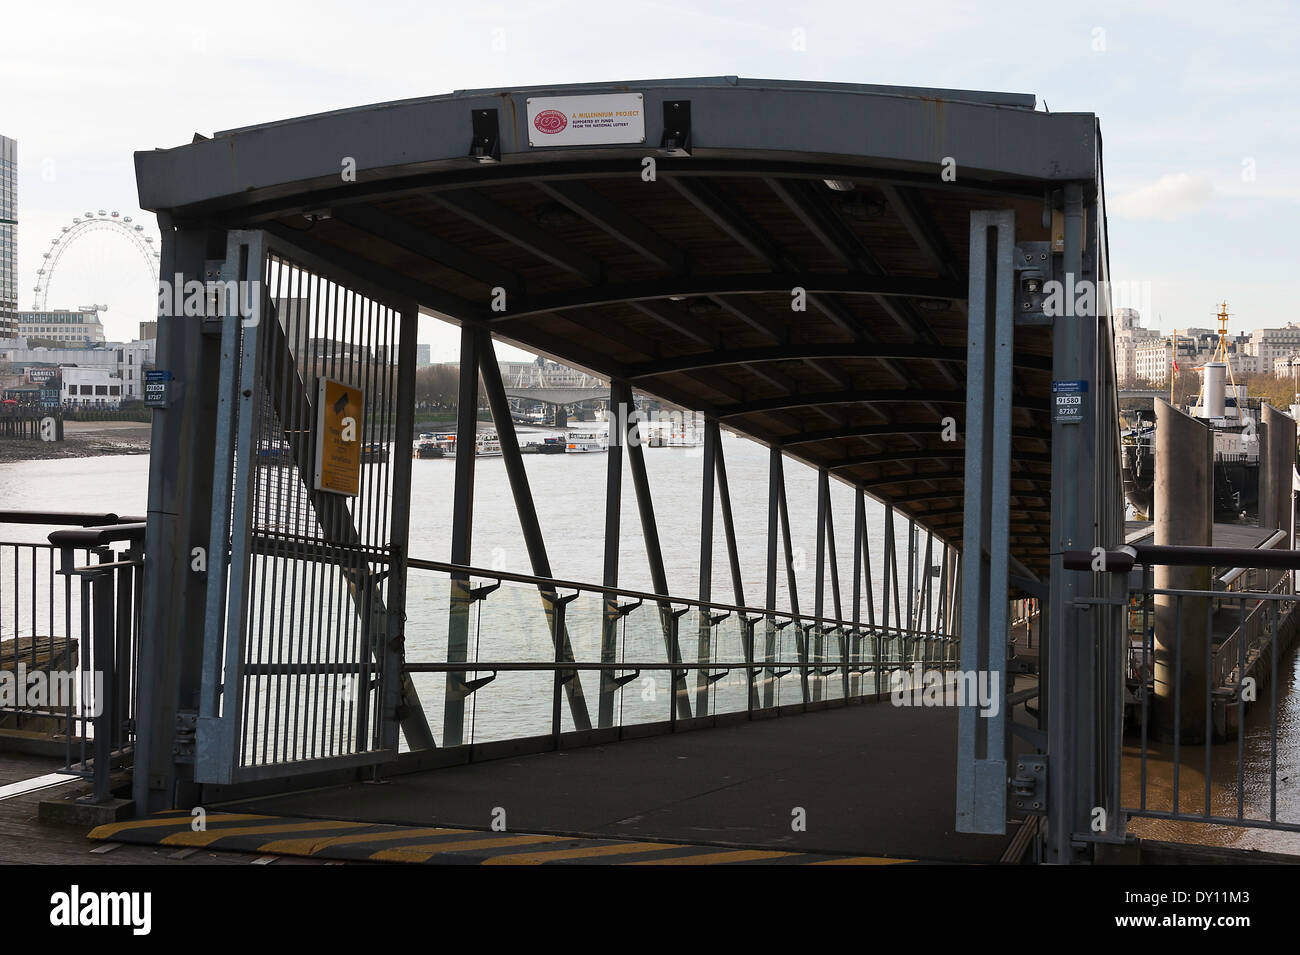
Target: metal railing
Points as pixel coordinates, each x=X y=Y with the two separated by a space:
x=69 y=627
x=532 y=641
x=1208 y=716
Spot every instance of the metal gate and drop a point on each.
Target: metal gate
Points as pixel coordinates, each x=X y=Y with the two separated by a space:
x=302 y=648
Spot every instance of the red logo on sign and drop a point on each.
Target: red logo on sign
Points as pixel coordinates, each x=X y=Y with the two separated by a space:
x=550 y=121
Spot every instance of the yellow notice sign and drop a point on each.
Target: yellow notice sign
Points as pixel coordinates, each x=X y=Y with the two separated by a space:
x=338 y=437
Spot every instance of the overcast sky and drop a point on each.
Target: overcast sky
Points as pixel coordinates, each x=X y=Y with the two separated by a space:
x=1198 y=105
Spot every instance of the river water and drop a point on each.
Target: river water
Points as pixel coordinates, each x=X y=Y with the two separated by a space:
x=569 y=493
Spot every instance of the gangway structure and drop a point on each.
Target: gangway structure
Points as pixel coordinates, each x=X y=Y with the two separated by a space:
x=902 y=288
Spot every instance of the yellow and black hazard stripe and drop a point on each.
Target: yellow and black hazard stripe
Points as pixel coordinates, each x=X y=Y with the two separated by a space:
x=380 y=842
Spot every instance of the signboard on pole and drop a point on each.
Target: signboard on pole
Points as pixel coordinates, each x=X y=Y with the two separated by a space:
x=1069 y=398
x=157 y=383
x=339 y=409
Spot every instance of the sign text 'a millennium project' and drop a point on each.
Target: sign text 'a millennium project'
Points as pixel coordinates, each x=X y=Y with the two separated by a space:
x=586 y=120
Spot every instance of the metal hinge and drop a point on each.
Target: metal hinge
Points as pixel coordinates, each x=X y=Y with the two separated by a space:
x=1029 y=787
x=183 y=744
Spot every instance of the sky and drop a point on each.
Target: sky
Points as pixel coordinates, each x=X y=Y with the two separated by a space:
x=1198 y=105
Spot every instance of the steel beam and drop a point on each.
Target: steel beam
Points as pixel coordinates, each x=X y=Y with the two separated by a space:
x=509 y=225
x=791 y=582
x=655 y=557
x=818 y=352
x=527 y=512
x=759 y=283
x=613 y=219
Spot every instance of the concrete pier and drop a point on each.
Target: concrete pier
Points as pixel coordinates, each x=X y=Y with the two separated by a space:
x=1276 y=463
x=1183 y=512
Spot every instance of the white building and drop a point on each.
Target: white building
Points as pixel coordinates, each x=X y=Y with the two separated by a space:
x=127 y=360
x=91 y=388
x=1129 y=335
x=79 y=328
x=1273 y=346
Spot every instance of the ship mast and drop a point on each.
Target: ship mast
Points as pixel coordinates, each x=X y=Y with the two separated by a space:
x=1221 y=352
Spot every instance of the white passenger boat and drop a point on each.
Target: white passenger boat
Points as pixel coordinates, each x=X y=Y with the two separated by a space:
x=585 y=442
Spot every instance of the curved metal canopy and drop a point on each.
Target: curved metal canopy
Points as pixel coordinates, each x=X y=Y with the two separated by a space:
x=685 y=283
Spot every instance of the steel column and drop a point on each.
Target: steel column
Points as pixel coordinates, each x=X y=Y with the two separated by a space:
x=982 y=768
x=395 y=681
x=1069 y=711
x=790 y=578
x=620 y=409
x=773 y=510
x=462 y=533
x=705 y=647
x=180 y=510
x=655 y=557
x=819 y=601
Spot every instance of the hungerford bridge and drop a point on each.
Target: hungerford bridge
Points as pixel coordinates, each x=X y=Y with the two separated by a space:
x=859 y=278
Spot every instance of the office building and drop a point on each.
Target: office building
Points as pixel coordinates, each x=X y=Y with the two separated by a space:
x=8 y=236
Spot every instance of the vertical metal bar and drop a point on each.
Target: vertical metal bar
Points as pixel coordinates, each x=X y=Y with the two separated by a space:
x=910 y=627
x=859 y=536
x=394 y=678
x=705 y=630
x=1178 y=698
x=235 y=269
x=1209 y=698
x=835 y=594
x=887 y=561
x=1148 y=650
x=773 y=509
x=728 y=520
x=928 y=593
x=620 y=408
x=103 y=618
x=1272 y=714
x=801 y=637
x=819 y=601
x=462 y=532
x=1241 y=709
x=982 y=788
x=241 y=531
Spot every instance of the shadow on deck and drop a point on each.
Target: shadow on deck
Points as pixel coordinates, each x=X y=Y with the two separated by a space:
x=872 y=780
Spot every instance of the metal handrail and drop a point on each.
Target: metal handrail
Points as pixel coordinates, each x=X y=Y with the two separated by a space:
x=553 y=583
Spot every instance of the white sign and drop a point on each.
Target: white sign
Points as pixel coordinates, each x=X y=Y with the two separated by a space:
x=586 y=120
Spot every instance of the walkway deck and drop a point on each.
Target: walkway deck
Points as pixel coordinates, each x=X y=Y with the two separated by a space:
x=863 y=774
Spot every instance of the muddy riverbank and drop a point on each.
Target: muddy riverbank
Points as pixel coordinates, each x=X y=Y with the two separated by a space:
x=82 y=439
